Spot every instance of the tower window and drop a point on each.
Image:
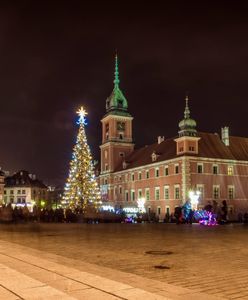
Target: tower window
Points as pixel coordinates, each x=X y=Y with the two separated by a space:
x=120 y=103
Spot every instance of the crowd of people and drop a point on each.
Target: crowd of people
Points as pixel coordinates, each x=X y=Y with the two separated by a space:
x=23 y=214
x=220 y=214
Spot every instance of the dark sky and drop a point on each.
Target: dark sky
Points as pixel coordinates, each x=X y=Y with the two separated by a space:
x=56 y=56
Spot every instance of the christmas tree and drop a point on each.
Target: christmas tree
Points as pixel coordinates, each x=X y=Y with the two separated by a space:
x=81 y=189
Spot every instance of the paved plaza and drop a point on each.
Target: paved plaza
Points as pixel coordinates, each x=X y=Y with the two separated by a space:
x=123 y=261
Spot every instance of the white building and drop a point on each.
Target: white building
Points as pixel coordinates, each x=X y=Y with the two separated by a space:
x=24 y=189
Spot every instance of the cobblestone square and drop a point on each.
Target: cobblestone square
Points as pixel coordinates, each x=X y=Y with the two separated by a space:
x=208 y=260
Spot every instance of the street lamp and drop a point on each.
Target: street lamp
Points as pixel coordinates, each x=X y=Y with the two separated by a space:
x=194 y=198
x=141 y=204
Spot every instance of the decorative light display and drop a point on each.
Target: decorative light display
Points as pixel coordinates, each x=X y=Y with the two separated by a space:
x=205 y=217
x=81 y=188
x=141 y=205
x=194 y=198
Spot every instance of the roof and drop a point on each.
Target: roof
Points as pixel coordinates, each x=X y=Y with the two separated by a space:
x=23 y=179
x=210 y=146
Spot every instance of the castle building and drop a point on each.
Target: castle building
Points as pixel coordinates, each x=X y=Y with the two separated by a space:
x=163 y=173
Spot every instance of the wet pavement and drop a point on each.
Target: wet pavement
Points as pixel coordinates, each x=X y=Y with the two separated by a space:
x=208 y=260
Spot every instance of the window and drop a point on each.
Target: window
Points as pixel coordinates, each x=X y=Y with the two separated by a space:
x=176 y=169
x=126 y=177
x=23 y=201
x=157 y=172
x=147 y=194
x=120 y=190
x=230 y=170
x=216 y=192
x=132 y=176
x=181 y=149
x=106 y=167
x=176 y=192
x=166 y=192
x=147 y=174
x=105 y=154
x=199 y=168
x=191 y=148
x=19 y=200
x=4 y=192
x=126 y=196
x=115 y=190
x=132 y=195
x=215 y=169
x=230 y=192
x=12 y=192
x=166 y=171
x=157 y=193
x=139 y=193
x=139 y=176
x=159 y=210
x=23 y=192
x=121 y=154
x=18 y=192
x=167 y=209
x=119 y=178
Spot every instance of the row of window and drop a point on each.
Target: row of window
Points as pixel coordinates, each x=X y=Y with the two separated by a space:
x=157 y=195
x=18 y=192
x=215 y=169
x=200 y=170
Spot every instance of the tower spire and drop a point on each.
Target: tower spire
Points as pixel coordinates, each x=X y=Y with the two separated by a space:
x=186 y=111
x=116 y=80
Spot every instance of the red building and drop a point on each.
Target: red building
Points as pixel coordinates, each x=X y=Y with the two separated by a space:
x=163 y=173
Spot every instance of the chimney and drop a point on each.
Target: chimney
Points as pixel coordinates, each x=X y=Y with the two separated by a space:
x=225 y=135
x=160 y=139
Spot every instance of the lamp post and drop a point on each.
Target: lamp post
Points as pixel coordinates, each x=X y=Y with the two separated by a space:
x=194 y=198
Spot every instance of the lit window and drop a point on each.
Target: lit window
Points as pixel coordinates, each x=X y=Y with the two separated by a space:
x=216 y=192
x=166 y=192
x=126 y=196
x=147 y=194
x=133 y=195
x=157 y=193
x=176 y=192
x=230 y=192
x=230 y=170
x=157 y=172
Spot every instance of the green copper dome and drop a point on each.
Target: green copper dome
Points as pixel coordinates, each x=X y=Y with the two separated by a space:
x=116 y=101
x=187 y=125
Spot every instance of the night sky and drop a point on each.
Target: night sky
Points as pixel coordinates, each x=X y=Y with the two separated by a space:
x=56 y=56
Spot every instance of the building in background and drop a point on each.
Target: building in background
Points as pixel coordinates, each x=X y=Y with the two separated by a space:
x=23 y=189
x=165 y=172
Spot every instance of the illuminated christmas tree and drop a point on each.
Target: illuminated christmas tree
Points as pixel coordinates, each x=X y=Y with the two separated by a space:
x=81 y=189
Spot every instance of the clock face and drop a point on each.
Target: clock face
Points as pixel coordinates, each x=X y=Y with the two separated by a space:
x=121 y=126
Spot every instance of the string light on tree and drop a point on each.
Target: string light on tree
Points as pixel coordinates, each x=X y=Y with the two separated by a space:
x=81 y=189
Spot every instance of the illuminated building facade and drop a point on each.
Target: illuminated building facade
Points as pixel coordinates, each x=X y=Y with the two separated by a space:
x=24 y=188
x=163 y=173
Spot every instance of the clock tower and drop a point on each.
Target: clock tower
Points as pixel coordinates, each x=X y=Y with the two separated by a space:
x=117 y=141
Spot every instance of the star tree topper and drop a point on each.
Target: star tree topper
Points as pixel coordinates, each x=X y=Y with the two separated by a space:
x=82 y=113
